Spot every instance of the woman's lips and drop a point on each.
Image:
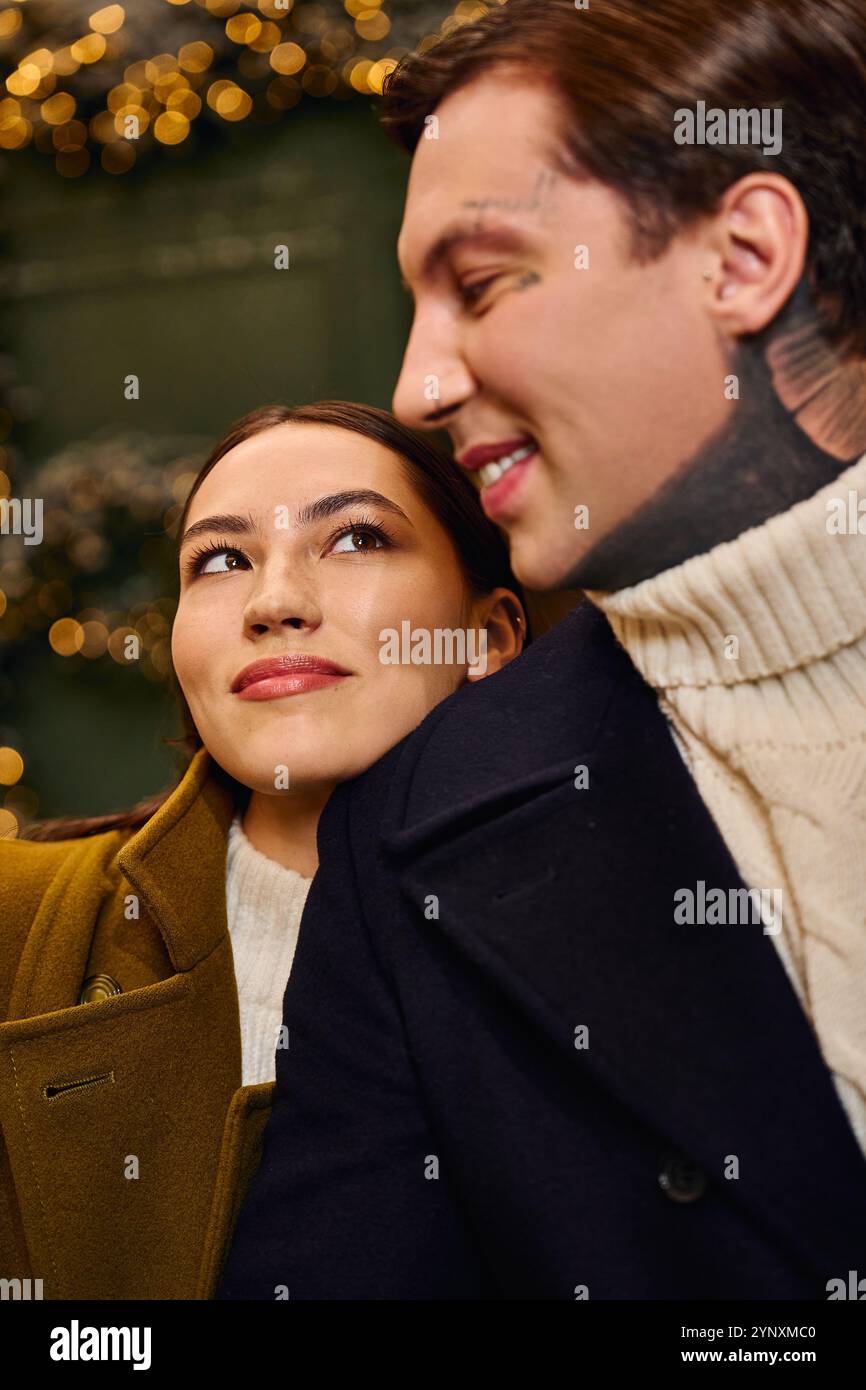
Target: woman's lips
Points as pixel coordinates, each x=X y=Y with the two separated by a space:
x=286 y=673
x=288 y=683
x=500 y=499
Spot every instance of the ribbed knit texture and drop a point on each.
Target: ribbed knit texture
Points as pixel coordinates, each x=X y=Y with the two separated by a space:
x=264 y=903
x=773 y=728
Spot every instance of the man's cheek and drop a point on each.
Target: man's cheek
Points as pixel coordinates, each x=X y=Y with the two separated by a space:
x=514 y=374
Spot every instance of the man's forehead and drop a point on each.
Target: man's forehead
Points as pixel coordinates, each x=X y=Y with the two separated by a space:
x=484 y=176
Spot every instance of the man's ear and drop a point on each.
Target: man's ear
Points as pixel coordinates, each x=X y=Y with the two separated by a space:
x=500 y=614
x=757 y=247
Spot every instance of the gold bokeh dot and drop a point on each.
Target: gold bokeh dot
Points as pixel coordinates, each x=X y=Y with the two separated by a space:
x=58 y=109
x=95 y=638
x=195 y=57
x=11 y=766
x=89 y=49
x=171 y=128
x=66 y=636
x=233 y=103
x=15 y=131
x=372 y=25
x=10 y=23
x=107 y=20
x=288 y=58
x=243 y=28
x=267 y=38
x=186 y=102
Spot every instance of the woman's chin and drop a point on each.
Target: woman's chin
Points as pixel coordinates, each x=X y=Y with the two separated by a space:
x=281 y=775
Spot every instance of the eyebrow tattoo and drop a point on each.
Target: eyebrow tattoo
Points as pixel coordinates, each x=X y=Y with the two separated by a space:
x=308 y=515
x=468 y=233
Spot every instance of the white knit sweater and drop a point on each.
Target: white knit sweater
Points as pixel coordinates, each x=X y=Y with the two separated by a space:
x=773 y=728
x=264 y=903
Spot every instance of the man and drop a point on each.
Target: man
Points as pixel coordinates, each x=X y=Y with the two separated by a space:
x=578 y=1006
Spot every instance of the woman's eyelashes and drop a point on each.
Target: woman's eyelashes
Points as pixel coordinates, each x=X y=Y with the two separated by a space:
x=366 y=527
x=201 y=556
x=200 y=561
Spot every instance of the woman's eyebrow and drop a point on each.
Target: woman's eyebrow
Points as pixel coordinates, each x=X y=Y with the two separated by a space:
x=320 y=510
x=324 y=507
x=234 y=525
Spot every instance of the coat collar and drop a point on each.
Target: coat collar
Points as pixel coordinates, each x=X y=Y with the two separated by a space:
x=175 y=865
x=176 y=862
x=564 y=899
x=523 y=723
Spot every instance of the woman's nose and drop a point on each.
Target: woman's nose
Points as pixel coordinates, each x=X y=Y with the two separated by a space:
x=282 y=604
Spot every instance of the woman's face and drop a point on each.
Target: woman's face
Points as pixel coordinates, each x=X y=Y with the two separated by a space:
x=290 y=558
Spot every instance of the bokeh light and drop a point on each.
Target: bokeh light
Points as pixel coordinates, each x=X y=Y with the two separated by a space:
x=11 y=766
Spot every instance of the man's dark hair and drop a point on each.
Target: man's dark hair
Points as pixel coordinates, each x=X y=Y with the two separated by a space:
x=622 y=68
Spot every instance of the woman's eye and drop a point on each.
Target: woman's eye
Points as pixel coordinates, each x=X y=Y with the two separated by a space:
x=345 y=543
x=208 y=563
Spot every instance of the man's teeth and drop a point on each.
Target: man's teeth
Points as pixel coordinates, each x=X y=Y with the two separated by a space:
x=491 y=472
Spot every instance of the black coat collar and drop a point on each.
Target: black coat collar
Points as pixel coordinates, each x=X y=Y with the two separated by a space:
x=565 y=898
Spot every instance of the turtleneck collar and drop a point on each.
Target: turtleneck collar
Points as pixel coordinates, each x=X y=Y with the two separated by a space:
x=241 y=852
x=790 y=591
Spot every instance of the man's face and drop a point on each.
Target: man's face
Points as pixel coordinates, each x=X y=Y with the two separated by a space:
x=611 y=370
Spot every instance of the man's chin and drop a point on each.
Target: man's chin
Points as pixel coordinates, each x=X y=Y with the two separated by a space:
x=539 y=570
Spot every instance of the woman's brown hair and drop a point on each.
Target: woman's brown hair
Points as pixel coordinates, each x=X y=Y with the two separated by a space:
x=441 y=485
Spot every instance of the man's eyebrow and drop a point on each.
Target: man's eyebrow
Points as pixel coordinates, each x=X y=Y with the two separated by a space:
x=320 y=510
x=496 y=237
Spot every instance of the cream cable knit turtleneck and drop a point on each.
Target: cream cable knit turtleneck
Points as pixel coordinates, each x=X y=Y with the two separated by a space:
x=775 y=736
x=264 y=903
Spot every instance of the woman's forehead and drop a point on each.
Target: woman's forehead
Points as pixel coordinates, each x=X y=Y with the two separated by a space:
x=298 y=461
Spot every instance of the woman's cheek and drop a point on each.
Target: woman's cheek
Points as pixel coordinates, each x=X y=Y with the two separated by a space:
x=189 y=650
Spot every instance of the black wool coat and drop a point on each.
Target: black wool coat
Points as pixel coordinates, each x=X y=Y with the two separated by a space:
x=511 y=1073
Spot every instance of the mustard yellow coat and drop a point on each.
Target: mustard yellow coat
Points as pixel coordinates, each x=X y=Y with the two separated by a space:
x=126 y=1139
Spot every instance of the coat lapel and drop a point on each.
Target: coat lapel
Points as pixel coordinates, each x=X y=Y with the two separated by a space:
x=565 y=897
x=106 y=1108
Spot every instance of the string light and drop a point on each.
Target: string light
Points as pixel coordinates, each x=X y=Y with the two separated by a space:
x=95 y=82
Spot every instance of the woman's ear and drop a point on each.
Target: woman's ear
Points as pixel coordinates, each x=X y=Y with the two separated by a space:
x=501 y=616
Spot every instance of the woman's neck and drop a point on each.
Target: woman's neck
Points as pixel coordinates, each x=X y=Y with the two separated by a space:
x=283 y=827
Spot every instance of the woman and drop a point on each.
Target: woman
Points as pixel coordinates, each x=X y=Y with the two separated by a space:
x=337 y=580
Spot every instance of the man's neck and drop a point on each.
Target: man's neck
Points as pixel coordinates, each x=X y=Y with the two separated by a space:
x=799 y=422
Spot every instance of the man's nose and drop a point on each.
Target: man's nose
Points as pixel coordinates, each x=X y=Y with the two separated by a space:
x=433 y=382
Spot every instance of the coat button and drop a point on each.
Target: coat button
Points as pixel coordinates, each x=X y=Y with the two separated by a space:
x=98 y=987
x=682 y=1180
